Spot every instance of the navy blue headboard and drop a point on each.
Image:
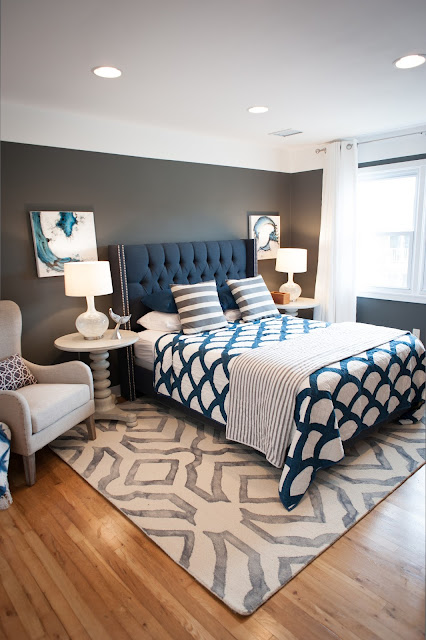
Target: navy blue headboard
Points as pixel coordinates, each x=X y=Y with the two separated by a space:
x=146 y=268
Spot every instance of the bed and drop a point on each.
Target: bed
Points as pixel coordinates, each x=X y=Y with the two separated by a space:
x=333 y=405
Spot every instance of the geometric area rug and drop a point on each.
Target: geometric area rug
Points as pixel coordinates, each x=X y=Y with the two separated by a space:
x=212 y=505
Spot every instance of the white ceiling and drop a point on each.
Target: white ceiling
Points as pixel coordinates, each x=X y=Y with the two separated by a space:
x=196 y=65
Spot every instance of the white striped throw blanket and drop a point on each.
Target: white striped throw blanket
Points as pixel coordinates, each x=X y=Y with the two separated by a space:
x=264 y=382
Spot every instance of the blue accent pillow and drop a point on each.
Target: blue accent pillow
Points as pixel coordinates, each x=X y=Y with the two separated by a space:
x=164 y=301
x=226 y=298
x=160 y=301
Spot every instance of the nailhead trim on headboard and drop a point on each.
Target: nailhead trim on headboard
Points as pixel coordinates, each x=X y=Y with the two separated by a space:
x=121 y=259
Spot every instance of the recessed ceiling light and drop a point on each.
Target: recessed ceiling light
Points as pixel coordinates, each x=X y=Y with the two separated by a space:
x=408 y=62
x=258 y=109
x=107 y=72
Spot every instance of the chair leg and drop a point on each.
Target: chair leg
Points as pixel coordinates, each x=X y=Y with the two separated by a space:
x=91 y=428
x=30 y=469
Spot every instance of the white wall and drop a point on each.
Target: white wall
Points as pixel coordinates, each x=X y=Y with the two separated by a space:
x=75 y=131
x=28 y=125
x=307 y=158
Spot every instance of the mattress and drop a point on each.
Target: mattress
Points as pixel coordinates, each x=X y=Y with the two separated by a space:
x=145 y=346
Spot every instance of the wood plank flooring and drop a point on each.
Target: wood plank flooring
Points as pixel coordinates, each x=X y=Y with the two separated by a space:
x=72 y=566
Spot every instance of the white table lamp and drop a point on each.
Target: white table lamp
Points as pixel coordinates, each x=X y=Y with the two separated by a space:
x=89 y=279
x=291 y=261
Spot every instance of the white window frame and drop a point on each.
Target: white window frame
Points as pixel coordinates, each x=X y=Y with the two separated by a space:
x=416 y=292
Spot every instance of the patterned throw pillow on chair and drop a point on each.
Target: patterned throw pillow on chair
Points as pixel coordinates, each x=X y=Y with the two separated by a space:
x=14 y=374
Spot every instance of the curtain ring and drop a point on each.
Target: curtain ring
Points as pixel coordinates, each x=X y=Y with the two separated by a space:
x=349 y=146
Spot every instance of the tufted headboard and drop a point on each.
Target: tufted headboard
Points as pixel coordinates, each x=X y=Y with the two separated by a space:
x=146 y=268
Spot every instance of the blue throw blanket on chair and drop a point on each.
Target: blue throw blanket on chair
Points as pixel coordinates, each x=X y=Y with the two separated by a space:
x=5 y=497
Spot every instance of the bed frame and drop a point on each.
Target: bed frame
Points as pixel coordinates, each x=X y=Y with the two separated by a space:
x=146 y=268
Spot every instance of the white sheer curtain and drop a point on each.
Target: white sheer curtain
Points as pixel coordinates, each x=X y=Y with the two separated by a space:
x=335 y=283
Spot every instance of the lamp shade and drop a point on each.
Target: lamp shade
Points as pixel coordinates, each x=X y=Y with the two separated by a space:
x=291 y=260
x=91 y=278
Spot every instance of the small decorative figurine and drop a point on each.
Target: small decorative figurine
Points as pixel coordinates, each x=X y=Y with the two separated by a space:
x=118 y=320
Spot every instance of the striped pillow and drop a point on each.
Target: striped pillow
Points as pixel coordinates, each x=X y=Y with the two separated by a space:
x=198 y=307
x=253 y=298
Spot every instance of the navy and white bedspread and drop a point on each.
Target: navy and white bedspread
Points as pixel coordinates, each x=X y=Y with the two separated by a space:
x=333 y=404
x=5 y=497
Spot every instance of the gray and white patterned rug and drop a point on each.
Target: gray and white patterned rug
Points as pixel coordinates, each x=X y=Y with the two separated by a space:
x=213 y=506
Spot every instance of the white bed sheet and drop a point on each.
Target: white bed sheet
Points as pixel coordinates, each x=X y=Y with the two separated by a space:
x=144 y=348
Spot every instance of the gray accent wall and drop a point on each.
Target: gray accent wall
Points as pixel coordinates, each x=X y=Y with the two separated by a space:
x=306 y=192
x=390 y=313
x=135 y=200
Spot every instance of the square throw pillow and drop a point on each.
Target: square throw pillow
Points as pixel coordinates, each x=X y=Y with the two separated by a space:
x=198 y=307
x=253 y=298
x=14 y=374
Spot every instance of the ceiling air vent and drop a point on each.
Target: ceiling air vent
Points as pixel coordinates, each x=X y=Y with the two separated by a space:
x=285 y=132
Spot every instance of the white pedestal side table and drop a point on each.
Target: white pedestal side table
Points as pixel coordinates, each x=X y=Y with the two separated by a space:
x=105 y=401
x=293 y=308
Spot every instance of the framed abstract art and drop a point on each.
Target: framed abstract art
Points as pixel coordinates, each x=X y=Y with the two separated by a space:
x=60 y=237
x=265 y=227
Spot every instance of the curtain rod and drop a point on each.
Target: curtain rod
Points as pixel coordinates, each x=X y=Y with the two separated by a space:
x=401 y=135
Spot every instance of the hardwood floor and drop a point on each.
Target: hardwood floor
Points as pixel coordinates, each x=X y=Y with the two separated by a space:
x=72 y=566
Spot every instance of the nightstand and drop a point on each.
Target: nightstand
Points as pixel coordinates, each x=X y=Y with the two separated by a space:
x=293 y=308
x=105 y=402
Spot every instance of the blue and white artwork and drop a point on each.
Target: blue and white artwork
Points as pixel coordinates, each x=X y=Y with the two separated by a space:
x=265 y=227
x=60 y=237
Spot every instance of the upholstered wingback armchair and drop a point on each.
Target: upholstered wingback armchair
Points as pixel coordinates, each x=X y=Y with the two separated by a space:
x=38 y=412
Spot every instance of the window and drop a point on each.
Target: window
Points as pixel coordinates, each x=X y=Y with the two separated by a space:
x=391 y=221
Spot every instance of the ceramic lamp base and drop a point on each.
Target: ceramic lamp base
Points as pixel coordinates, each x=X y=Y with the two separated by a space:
x=293 y=289
x=92 y=324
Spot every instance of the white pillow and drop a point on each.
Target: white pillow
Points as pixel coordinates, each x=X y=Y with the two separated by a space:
x=159 y=321
x=232 y=315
